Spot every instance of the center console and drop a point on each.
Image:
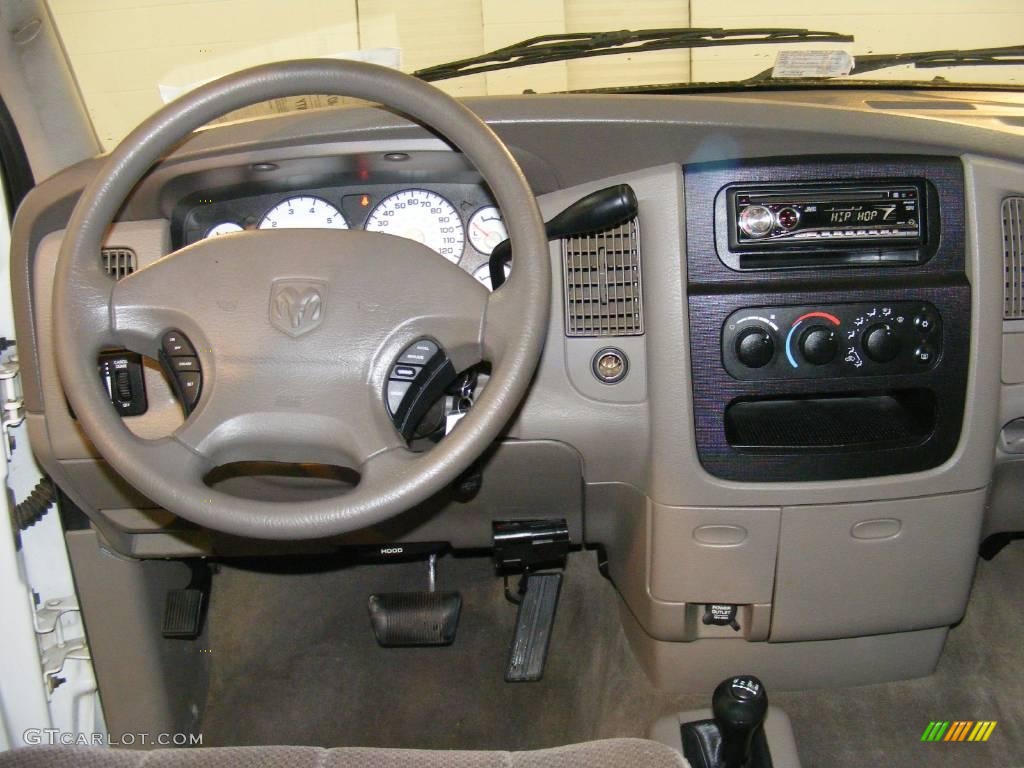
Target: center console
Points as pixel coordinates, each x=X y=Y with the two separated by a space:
x=829 y=316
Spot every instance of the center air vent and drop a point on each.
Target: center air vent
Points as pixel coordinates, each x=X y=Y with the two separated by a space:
x=1013 y=256
x=603 y=291
x=118 y=262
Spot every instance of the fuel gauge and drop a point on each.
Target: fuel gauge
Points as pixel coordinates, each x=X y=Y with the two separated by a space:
x=486 y=229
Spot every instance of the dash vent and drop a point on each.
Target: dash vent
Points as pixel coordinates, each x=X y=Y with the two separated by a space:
x=1013 y=258
x=118 y=262
x=603 y=290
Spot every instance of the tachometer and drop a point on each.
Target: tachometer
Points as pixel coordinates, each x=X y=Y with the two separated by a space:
x=422 y=216
x=303 y=212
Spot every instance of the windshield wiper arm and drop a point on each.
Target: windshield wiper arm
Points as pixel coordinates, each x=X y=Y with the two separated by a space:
x=975 y=57
x=582 y=45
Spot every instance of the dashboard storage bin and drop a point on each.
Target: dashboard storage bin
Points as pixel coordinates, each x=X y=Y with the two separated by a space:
x=713 y=555
x=847 y=570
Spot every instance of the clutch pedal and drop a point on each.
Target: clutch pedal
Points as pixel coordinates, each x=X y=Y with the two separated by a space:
x=185 y=609
x=405 y=619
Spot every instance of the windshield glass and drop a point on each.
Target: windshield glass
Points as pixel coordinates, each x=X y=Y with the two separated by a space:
x=131 y=56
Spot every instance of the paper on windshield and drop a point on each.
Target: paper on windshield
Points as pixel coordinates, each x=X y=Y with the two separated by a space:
x=812 y=64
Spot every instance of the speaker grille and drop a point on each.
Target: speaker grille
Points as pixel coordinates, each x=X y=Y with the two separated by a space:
x=1013 y=256
x=118 y=262
x=603 y=287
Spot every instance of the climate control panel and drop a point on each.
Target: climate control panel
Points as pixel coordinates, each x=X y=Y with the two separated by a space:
x=842 y=340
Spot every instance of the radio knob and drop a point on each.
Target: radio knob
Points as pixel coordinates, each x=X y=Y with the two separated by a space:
x=818 y=344
x=756 y=221
x=881 y=343
x=755 y=347
x=788 y=218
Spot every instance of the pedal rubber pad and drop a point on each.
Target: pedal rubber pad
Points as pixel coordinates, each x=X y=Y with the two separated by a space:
x=536 y=618
x=402 y=619
x=183 y=614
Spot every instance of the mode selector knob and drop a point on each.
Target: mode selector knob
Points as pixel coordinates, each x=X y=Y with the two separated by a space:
x=755 y=347
x=881 y=343
x=818 y=344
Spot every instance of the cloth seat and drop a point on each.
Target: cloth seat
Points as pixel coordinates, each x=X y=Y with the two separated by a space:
x=610 y=753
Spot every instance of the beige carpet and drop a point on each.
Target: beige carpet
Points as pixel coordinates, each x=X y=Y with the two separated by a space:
x=296 y=663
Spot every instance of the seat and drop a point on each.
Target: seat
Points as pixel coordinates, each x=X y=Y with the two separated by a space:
x=609 y=753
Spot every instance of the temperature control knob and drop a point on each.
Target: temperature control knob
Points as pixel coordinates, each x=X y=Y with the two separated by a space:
x=755 y=347
x=881 y=343
x=818 y=344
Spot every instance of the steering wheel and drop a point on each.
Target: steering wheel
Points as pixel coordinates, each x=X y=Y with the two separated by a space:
x=297 y=332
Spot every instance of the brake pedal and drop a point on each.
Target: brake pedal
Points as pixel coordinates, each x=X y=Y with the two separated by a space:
x=404 y=619
x=534 y=622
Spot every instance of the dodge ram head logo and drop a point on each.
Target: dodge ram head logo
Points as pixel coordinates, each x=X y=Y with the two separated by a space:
x=297 y=306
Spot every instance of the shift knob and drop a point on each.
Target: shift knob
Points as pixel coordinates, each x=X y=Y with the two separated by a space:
x=739 y=705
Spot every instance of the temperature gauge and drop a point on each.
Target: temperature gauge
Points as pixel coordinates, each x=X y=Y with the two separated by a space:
x=486 y=229
x=483 y=274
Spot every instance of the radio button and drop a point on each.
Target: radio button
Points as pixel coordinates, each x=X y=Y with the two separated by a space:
x=881 y=343
x=755 y=347
x=756 y=221
x=818 y=345
x=788 y=218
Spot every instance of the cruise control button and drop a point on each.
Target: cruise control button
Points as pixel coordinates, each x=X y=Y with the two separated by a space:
x=190 y=383
x=177 y=345
x=184 y=364
x=418 y=353
x=396 y=393
x=404 y=372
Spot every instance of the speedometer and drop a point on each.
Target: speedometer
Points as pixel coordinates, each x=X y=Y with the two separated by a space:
x=303 y=212
x=422 y=216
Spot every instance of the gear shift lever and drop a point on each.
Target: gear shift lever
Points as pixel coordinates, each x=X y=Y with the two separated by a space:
x=735 y=737
x=739 y=705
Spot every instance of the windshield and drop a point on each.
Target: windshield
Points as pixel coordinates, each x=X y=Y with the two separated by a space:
x=131 y=57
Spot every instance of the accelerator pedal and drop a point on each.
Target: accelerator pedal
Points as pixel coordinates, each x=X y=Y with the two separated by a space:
x=404 y=619
x=536 y=617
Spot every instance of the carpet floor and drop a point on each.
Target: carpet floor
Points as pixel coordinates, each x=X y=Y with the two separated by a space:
x=295 y=662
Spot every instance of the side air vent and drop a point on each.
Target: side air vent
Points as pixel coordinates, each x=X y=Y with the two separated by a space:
x=1013 y=258
x=603 y=291
x=118 y=262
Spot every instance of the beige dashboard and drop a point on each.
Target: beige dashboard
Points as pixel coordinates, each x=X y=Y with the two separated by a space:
x=868 y=569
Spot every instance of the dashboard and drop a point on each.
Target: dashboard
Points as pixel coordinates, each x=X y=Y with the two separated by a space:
x=776 y=438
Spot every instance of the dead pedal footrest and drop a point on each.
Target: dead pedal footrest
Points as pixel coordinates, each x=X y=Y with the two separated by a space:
x=534 y=622
x=415 y=618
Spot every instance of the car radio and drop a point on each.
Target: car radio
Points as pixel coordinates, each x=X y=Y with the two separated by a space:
x=851 y=213
x=826 y=223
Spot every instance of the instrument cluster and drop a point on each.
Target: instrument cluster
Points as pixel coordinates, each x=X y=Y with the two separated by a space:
x=458 y=221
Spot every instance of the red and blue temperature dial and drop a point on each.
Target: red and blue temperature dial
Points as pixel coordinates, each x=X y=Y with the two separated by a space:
x=814 y=336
